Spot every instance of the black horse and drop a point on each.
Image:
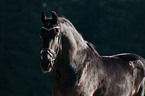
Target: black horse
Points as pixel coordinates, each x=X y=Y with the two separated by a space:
x=80 y=70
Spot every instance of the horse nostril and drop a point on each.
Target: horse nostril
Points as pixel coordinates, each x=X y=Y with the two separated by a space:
x=49 y=65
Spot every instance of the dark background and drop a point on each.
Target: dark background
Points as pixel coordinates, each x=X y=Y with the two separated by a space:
x=113 y=26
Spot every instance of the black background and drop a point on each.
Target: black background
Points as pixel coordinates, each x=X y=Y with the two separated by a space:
x=113 y=26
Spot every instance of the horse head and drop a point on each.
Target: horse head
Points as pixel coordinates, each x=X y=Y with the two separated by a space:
x=50 y=36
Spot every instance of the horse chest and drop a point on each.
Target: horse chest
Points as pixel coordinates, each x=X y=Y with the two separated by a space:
x=60 y=88
x=72 y=86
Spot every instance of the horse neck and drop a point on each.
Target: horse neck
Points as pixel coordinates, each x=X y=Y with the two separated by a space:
x=74 y=51
x=72 y=42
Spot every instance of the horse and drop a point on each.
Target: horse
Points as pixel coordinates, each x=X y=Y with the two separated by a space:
x=80 y=70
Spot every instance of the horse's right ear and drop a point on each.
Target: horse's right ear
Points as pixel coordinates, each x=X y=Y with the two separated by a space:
x=54 y=17
x=43 y=18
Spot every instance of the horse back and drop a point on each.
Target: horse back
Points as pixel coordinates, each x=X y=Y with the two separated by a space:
x=127 y=63
x=130 y=60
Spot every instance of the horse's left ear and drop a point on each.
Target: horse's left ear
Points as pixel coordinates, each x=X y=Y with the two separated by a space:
x=54 y=18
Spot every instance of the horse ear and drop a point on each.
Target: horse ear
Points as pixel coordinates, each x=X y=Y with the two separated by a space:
x=54 y=18
x=43 y=17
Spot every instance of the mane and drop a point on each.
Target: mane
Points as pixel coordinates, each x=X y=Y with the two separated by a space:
x=64 y=20
x=67 y=25
x=92 y=47
x=77 y=36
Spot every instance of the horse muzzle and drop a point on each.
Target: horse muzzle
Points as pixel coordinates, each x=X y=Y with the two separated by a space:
x=46 y=66
x=46 y=61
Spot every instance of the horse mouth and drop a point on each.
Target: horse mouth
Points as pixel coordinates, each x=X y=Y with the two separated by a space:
x=46 y=68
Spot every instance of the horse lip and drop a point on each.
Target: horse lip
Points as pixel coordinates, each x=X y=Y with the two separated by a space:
x=47 y=68
x=46 y=71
